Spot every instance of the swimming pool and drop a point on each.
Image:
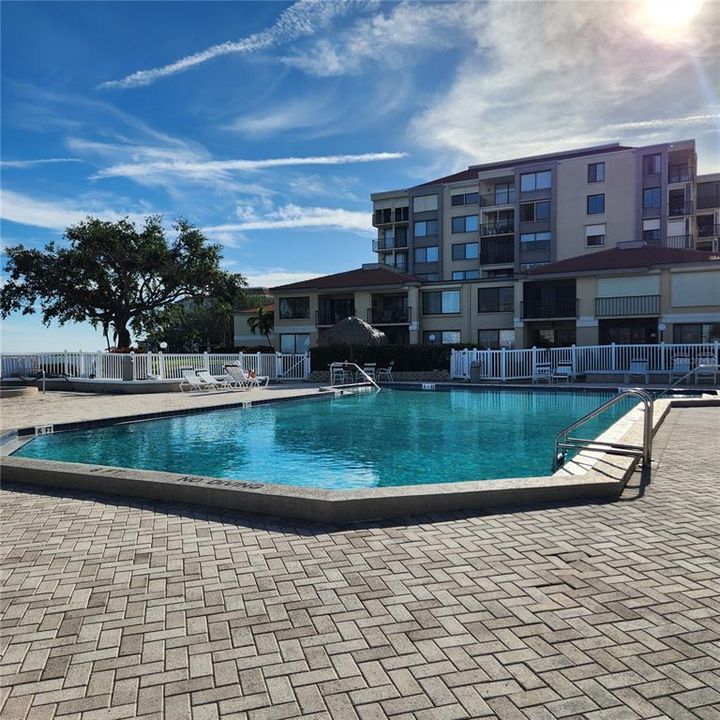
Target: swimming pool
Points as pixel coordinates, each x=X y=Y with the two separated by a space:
x=370 y=440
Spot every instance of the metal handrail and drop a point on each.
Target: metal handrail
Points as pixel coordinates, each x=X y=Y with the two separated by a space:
x=357 y=368
x=688 y=374
x=563 y=441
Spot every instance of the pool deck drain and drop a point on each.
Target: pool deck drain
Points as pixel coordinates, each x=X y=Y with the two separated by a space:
x=162 y=610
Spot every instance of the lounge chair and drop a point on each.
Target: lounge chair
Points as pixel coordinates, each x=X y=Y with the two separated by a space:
x=237 y=378
x=369 y=369
x=338 y=376
x=707 y=366
x=191 y=381
x=542 y=371
x=385 y=373
x=564 y=371
x=253 y=380
x=680 y=367
x=211 y=382
x=638 y=368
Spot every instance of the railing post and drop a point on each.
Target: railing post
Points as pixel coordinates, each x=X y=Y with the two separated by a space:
x=241 y=360
x=161 y=365
x=278 y=365
x=306 y=365
x=662 y=356
x=534 y=361
x=613 y=356
x=149 y=370
x=134 y=367
x=503 y=364
x=206 y=361
x=573 y=358
x=99 y=365
x=65 y=362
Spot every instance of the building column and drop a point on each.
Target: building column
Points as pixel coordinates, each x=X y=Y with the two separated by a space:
x=414 y=305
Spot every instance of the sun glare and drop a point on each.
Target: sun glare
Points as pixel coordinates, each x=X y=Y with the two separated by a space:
x=668 y=17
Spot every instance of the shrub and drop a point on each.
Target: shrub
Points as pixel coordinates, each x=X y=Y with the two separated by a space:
x=406 y=357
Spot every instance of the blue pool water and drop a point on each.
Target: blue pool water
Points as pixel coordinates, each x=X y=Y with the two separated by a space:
x=361 y=441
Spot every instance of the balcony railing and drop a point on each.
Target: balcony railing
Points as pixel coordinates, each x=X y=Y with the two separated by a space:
x=708 y=230
x=382 y=217
x=680 y=241
x=682 y=208
x=395 y=244
x=495 y=251
x=499 y=228
x=501 y=197
x=330 y=317
x=383 y=316
x=680 y=173
x=627 y=306
x=557 y=308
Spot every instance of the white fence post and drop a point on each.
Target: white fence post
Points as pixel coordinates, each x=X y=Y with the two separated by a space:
x=278 y=365
x=206 y=361
x=503 y=364
x=99 y=365
x=534 y=361
x=134 y=368
x=161 y=365
x=306 y=365
x=613 y=361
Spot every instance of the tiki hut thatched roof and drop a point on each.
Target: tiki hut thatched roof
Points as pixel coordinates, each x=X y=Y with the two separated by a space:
x=352 y=331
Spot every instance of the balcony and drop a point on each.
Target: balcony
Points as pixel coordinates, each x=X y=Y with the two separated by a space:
x=389 y=245
x=637 y=305
x=679 y=241
x=329 y=316
x=506 y=227
x=708 y=231
x=389 y=316
x=382 y=217
x=549 y=309
x=497 y=250
x=502 y=197
x=680 y=173
x=680 y=208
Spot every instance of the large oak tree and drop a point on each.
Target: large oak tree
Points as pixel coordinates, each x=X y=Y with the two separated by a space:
x=113 y=275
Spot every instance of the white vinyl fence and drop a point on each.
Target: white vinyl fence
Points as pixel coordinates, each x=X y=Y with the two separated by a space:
x=505 y=364
x=151 y=366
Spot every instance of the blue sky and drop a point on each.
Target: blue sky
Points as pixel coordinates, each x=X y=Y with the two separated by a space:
x=268 y=124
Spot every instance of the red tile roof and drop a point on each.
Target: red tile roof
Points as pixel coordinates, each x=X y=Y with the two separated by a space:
x=468 y=174
x=621 y=258
x=362 y=277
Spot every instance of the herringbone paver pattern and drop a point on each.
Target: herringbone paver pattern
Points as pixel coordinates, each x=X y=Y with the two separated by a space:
x=155 y=610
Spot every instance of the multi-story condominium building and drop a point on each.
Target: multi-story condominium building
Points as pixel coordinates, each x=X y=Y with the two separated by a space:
x=584 y=246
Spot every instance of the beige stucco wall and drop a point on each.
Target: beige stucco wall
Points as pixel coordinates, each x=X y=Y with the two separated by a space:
x=571 y=194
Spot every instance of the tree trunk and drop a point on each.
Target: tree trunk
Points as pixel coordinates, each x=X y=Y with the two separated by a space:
x=123 y=335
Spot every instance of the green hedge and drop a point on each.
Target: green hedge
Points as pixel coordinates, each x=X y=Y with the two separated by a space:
x=406 y=357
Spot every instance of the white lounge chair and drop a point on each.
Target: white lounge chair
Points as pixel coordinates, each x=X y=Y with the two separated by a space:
x=211 y=382
x=638 y=368
x=385 y=373
x=680 y=367
x=542 y=371
x=707 y=366
x=237 y=378
x=253 y=380
x=564 y=371
x=191 y=382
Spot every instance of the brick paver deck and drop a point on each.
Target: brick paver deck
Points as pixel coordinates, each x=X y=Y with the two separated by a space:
x=156 y=610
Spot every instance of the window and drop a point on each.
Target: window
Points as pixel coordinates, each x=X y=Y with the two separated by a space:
x=426 y=227
x=401 y=214
x=296 y=343
x=535 y=241
x=465 y=251
x=466 y=275
x=596 y=172
x=500 y=273
x=595 y=235
x=651 y=230
x=383 y=215
x=426 y=254
x=400 y=236
x=496 y=339
x=696 y=332
x=464 y=199
x=504 y=193
x=535 y=181
x=530 y=212
x=446 y=337
x=293 y=308
x=428 y=277
x=465 y=223
x=651 y=198
x=441 y=302
x=387 y=237
x=595 y=204
x=498 y=299
x=425 y=203
x=652 y=164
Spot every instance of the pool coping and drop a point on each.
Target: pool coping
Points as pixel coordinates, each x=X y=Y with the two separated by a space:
x=591 y=475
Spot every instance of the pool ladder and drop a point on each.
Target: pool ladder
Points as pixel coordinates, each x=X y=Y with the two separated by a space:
x=564 y=442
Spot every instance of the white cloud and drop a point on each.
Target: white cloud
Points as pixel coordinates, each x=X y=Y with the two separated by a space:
x=272 y=277
x=55 y=213
x=22 y=164
x=542 y=77
x=685 y=121
x=288 y=116
x=293 y=216
x=303 y=18
x=199 y=169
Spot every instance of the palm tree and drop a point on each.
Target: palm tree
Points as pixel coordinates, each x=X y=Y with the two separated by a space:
x=263 y=323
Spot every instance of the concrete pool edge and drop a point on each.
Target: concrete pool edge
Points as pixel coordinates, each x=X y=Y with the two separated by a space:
x=589 y=476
